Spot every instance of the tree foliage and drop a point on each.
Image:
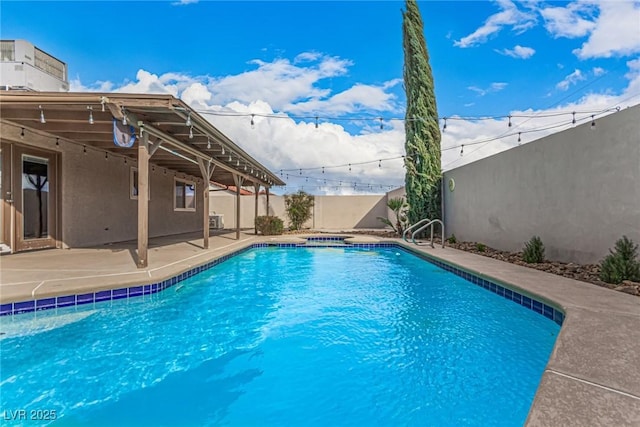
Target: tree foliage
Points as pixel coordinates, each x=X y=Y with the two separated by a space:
x=422 y=131
x=298 y=206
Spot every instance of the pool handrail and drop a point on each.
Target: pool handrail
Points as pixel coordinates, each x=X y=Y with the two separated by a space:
x=412 y=226
x=429 y=224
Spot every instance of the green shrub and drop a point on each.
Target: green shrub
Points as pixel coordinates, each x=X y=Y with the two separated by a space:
x=621 y=264
x=298 y=208
x=533 y=252
x=269 y=225
x=481 y=247
x=452 y=239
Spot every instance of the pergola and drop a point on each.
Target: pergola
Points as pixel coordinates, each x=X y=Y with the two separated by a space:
x=168 y=133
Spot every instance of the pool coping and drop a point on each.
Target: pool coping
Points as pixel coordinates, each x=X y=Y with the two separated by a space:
x=591 y=377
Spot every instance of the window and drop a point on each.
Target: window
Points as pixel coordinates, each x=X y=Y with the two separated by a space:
x=184 y=195
x=133 y=186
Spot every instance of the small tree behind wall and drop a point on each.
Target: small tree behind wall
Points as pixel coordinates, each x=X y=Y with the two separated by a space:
x=298 y=206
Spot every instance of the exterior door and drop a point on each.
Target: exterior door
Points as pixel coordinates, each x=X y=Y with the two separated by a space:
x=34 y=198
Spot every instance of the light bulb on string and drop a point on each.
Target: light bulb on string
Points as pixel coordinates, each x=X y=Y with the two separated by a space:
x=188 y=122
x=381 y=124
x=124 y=117
x=379 y=163
x=90 y=115
x=519 y=138
x=573 y=122
x=57 y=142
x=191 y=132
x=42 y=119
x=461 y=150
x=316 y=122
x=84 y=149
x=510 y=124
x=323 y=169
x=349 y=167
x=230 y=158
x=444 y=127
x=252 y=121
x=222 y=150
x=593 y=122
x=208 y=143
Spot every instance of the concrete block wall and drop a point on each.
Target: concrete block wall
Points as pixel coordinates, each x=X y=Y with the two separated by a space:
x=329 y=212
x=579 y=190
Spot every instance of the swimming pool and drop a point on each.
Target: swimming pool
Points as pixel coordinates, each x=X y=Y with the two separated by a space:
x=285 y=336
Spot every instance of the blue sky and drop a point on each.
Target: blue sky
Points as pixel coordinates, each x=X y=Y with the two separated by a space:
x=342 y=62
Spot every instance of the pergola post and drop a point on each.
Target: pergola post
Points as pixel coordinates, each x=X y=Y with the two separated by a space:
x=206 y=169
x=143 y=200
x=256 y=187
x=237 y=179
x=267 y=193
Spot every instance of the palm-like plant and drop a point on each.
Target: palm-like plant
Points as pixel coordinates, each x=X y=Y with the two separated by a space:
x=399 y=207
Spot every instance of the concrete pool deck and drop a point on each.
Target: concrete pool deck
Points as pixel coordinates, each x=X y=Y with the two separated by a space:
x=592 y=377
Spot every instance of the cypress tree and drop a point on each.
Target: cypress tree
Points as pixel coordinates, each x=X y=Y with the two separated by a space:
x=422 y=131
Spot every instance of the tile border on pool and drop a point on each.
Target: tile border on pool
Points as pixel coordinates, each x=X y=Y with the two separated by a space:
x=48 y=303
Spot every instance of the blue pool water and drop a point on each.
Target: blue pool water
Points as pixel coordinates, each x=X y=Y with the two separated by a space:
x=284 y=337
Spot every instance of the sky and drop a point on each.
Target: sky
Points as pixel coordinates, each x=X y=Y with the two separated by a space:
x=322 y=80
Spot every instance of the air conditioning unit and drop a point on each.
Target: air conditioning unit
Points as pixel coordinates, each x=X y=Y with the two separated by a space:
x=216 y=221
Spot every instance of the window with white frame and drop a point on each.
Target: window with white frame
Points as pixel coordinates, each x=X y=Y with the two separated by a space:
x=184 y=195
x=133 y=184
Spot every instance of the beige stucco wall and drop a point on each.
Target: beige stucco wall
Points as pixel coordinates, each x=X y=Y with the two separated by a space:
x=329 y=212
x=95 y=204
x=579 y=190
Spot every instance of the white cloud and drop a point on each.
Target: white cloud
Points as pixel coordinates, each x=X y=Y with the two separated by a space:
x=616 y=31
x=286 y=143
x=518 y=52
x=509 y=16
x=571 y=79
x=184 y=2
x=575 y=20
x=493 y=87
x=598 y=71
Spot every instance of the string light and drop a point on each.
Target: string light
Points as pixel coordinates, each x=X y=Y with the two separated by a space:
x=124 y=116
x=444 y=128
x=379 y=163
x=90 y=114
x=106 y=155
x=208 y=143
x=510 y=121
x=316 y=122
x=462 y=150
x=519 y=139
x=84 y=149
x=22 y=133
x=188 y=122
x=191 y=132
x=381 y=124
x=42 y=119
x=593 y=122
x=252 y=122
x=57 y=142
x=222 y=150
x=573 y=122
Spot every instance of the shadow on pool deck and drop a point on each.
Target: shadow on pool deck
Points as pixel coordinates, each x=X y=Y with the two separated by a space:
x=593 y=374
